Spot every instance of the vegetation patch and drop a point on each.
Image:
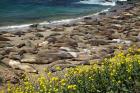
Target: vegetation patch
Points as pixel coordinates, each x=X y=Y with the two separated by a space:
x=119 y=74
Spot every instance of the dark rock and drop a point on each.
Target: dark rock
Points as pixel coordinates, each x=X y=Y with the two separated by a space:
x=4 y=39
x=14 y=80
x=29 y=50
x=1 y=81
x=103 y=13
x=1 y=57
x=54 y=34
x=10 y=49
x=34 y=25
x=87 y=18
x=64 y=55
x=21 y=52
x=72 y=43
x=20 y=45
x=97 y=42
x=19 y=33
x=51 y=39
x=48 y=57
x=39 y=35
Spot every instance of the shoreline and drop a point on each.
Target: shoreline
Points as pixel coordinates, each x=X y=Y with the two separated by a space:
x=26 y=27
x=46 y=23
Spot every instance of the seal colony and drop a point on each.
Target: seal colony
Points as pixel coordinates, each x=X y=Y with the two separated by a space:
x=83 y=42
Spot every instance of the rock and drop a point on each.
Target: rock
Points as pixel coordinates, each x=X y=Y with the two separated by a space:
x=8 y=35
x=127 y=14
x=65 y=55
x=1 y=57
x=20 y=45
x=39 y=35
x=19 y=33
x=15 y=56
x=61 y=66
x=43 y=44
x=54 y=56
x=17 y=65
x=82 y=57
x=41 y=28
x=4 y=39
x=122 y=41
x=85 y=62
x=5 y=44
x=72 y=43
x=68 y=49
x=12 y=63
x=73 y=54
x=48 y=57
x=116 y=26
x=102 y=13
x=1 y=80
x=97 y=42
x=30 y=59
x=34 y=25
x=10 y=49
x=51 y=39
x=28 y=50
x=29 y=43
x=59 y=62
x=65 y=49
x=54 y=34
x=87 y=18
x=27 y=68
x=14 y=80
x=58 y=29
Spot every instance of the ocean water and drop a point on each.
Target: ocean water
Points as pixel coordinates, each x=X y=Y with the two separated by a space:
x=18 y=12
